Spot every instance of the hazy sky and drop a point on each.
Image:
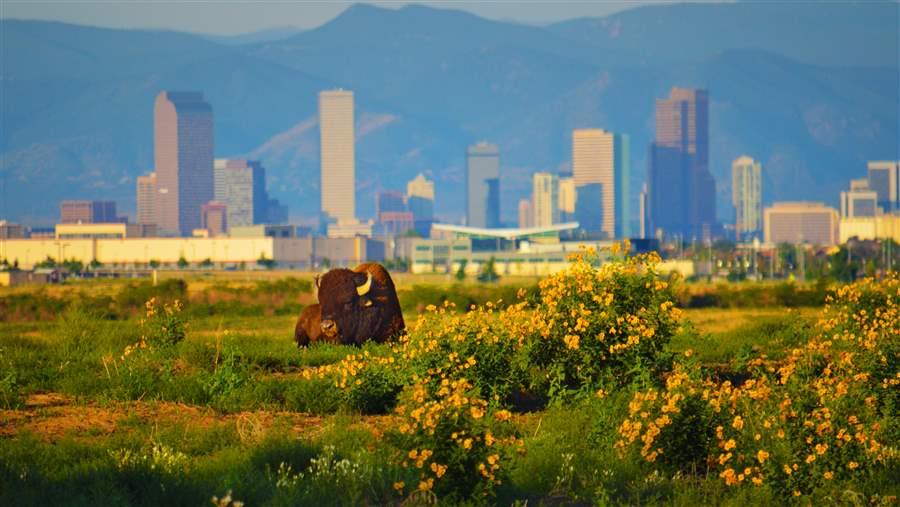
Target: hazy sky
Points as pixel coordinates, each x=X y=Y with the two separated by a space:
x=241 y=16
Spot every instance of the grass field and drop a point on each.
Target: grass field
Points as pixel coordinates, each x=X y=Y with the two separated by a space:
x=234 y=410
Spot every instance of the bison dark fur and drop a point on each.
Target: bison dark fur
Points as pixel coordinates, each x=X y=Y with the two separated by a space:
x=353 y=317
x=309 y=326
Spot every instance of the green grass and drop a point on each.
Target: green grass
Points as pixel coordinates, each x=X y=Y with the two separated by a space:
x=245 y=423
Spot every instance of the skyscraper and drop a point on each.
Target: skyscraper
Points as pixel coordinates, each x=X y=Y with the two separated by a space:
x=337 y=151
x=643 y=226
x=483 y=185
x=420 y=201
x=241 y=185
x=526 y=213
x=746 y=195
x=566 y=197
x=682 y=190
x=545 y=199
x=860 y=201
x=884 y=180
x=183 y=149
x=602 y=158
x=146 y=199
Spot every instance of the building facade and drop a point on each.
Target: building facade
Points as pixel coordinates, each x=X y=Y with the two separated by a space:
x=602 y=158
x=545 y=199
x=183 y=153
x=215 y=218
x=746 y=196
x=88 y=212
x=884 y=180
x=526 y=213
x=420 y=202
x=800 y=222
x=241 y=185
x=483 y=185
x=146 y=199
x=566 y=198
x=337 y=152
x=859 y=201
x=682 y=189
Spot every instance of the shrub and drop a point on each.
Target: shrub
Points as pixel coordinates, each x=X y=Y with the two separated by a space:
x=602 y=326
x=451 y=440
x=162 y=325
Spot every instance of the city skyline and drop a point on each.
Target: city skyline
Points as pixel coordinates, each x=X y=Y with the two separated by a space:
x=391 y=159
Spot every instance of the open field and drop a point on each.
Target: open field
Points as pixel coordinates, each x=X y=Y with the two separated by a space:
x=104 y=400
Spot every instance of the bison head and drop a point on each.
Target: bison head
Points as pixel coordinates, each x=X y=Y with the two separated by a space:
x=346 y=304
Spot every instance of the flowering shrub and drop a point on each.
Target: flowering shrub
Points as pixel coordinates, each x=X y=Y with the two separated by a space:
x=156 y=457
x=602 y=325
x=452 y=439
x=827 y=413
x=162 y=325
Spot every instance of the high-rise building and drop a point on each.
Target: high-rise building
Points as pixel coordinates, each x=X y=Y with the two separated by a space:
x=545 y=199
x=884 y=180
x=214 y=218
x=241 y=185
x=566 y=198
x=746 y=196
x=337 y=151
x=800 y=222
x=389 y=201
x=146 y=199
x=88 y=212
x=682 y=190
x=483 y=185
x=643 y=225
x=602 y=158
x=420 y=201
x=526 y=213
x=860 y=201
x=183 y=152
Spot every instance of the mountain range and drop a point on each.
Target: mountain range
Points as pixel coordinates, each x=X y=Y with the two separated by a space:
x=812 y=90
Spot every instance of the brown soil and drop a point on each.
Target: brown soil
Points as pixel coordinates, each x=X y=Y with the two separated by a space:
x=52 y=416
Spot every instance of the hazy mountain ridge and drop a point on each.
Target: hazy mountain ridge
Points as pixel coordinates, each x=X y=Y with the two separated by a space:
x=434 y=81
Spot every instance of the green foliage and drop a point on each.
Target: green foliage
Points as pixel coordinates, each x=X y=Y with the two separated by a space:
x=182 y=262
x=266 y=262
x=374 y=391
x=488 y=272
x=461 y=271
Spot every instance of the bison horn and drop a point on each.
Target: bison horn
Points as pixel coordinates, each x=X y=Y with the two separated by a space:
x=363 y=289
x=316 y=279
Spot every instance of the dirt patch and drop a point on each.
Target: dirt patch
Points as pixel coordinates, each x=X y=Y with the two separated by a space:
x=53 y=416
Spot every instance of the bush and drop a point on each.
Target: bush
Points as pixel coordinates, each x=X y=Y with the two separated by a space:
x=603 y=326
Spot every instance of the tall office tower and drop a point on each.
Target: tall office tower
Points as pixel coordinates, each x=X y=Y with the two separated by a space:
x=545 y=199
x=682 y=190
x=566 y=198
x=337 y=151
x=420 y=197
x=602 y=158
x=860 y=201
x=483 y=185
x=746 y=196
x=183 y=149
x=643 y=225
x=389 y=201
x=420 y=201
x=526 y=213
x=88 y=212
x=241 y=185
x=884 y=179
x=146 y=199
x=800 y=222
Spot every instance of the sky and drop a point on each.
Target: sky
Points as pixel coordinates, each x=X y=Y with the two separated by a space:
x=230 y=17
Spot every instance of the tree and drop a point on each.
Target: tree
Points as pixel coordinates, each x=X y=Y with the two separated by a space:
x=73 y=266
x=461 y=271
x=182 y=262
x=488 y=272
x=49 y=262
x=95 y=264
x=206 y=263
x=154 y=263
x=265 y=262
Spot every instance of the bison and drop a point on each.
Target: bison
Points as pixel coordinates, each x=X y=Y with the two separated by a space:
x=309 y=326
x=358 y=305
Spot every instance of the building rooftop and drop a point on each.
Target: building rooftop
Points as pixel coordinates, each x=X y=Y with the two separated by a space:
x=508 y=233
